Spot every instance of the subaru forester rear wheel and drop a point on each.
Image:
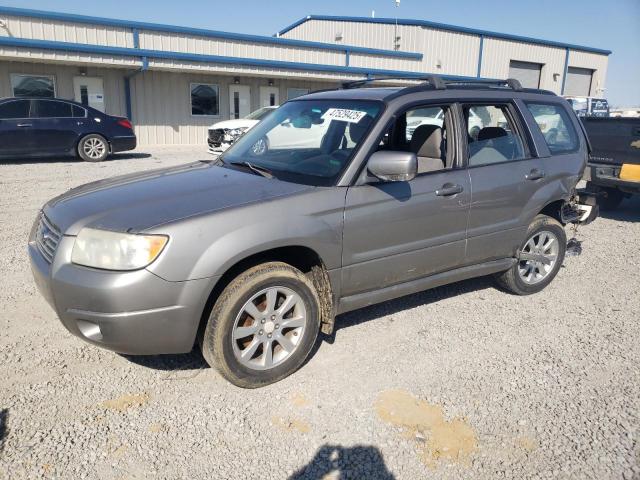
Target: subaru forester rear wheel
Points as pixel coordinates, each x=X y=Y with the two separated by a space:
x=263 y=325
x=539 y=258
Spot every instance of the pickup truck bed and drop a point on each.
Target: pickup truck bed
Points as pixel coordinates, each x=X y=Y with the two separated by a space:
x=614 y=163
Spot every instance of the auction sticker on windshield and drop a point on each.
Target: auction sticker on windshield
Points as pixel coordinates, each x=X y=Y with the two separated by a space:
x=344 y=115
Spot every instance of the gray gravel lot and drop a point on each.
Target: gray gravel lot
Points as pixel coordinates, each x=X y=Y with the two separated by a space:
x=463 y=381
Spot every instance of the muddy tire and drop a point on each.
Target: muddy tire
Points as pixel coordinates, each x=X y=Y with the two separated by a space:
x=540 y=258
x=263 y=325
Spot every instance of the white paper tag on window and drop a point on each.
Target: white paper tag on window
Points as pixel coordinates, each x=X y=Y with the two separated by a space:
x=344 y=115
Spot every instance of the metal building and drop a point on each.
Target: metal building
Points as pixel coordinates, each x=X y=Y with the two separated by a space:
x=175 y=81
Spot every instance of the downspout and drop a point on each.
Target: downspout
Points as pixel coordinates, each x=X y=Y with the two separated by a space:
x=480 y=56
x=566 y=70
x=127 y=78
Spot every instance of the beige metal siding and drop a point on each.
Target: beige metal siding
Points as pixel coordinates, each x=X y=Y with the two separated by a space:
x=498 y=53
x=113 y=80
x=44 y=29
x=444 y=52
x=593 y=61
x=35 y=55
x=232 y=48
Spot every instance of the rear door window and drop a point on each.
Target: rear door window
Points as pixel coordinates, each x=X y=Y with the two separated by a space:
x=556 y=127
x=79 y=112
x=491 y=135
x=15 y=109
x=51 y=109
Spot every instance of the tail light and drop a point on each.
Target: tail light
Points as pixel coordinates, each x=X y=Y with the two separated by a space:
x=123 y=122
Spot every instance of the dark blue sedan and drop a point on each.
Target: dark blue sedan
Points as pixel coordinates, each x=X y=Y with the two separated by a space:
x=37 y=127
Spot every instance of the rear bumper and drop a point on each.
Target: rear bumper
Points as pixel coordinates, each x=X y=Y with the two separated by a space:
x=135 y=312
x=604 y=175
x=122 y=144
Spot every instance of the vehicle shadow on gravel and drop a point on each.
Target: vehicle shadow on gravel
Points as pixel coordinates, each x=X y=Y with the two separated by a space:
x=172 y=362
x=35 y=160
x=397 y=305
x=4 y=417
x=340 y=463
x=195 y=361
x=628 y=211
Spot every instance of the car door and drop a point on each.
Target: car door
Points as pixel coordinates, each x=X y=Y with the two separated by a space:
x=54 y=129
x=15 y=128
x=396 y=232
x=506 y=180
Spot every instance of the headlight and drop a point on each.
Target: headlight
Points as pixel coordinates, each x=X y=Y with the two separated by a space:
x=236 y=132
x=116 y=251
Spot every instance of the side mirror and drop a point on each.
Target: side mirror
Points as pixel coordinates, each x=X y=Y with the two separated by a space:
x=393 y=166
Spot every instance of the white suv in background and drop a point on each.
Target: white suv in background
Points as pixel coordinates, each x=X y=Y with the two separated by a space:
x=221 y=135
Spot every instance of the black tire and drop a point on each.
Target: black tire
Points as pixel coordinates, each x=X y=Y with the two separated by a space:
x=217 y=339
x=511 y=281
x=99 y=154
x=611 y=199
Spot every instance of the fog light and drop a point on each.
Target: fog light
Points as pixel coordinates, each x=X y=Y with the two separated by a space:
x=89 y=330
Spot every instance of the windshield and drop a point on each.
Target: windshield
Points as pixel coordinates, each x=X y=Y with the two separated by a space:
x=306 y=141
x=260 y=113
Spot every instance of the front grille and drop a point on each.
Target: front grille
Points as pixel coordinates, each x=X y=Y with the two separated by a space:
x=47 y=238
x=216 y=135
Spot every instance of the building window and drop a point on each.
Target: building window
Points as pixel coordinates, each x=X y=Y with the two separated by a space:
x=33 y=86
x=296 y=92
x=204 y=99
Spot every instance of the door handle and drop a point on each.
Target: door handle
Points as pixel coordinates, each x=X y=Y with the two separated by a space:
x=24 y=125
x=535 y=174
x=449 y=189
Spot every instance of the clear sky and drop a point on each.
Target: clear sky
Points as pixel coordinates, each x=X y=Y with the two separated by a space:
x=608 y=24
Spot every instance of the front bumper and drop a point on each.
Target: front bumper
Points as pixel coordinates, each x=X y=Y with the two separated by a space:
x=134 y=312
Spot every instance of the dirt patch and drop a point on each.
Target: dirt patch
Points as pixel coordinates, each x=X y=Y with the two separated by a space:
x=440 y=439
x=125 y=402
x=291 y=424
x=299 y=400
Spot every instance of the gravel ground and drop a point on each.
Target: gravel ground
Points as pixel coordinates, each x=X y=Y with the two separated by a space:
x=463 y=381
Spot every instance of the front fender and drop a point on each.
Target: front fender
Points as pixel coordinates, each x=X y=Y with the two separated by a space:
x=208 y=245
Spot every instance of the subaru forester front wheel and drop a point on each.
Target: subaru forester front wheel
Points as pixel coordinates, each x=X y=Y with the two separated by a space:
x=263 y=325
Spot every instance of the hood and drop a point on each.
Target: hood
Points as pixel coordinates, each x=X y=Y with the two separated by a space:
x=231 y=124
x=141 y=201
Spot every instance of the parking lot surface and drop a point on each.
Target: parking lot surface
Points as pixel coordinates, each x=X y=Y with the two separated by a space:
x=463 y=381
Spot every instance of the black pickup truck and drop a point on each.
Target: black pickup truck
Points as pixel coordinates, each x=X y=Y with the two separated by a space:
x=613 y=169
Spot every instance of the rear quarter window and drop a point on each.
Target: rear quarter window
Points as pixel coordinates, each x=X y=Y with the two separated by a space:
x=556 y=127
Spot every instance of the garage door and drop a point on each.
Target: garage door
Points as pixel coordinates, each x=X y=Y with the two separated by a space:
x=578 y=82
x=528 y=73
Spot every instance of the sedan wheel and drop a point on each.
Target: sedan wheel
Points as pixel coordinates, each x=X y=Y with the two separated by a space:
x=93 y=148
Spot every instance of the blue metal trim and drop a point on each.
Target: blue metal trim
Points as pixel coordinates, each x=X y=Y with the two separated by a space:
x=68 y=17
x=480 y=55
x=136 y=38
x=444 y=26
x=566 y=69
x=346 y=58
x=135 y=52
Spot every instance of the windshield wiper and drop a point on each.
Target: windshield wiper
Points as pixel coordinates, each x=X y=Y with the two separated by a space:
x=265 y=172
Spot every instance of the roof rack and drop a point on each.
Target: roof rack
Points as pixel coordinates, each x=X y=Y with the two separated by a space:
x=512 y=83
x=432 y=80
x=438 y=82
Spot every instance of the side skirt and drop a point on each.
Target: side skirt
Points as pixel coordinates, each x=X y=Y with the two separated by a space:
x=365 y=299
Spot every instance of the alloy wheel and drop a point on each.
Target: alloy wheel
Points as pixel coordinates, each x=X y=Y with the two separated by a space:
x=538 y=257
x=269 y=328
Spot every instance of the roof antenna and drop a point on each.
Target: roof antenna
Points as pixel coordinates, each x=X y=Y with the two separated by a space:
x=396 y=38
